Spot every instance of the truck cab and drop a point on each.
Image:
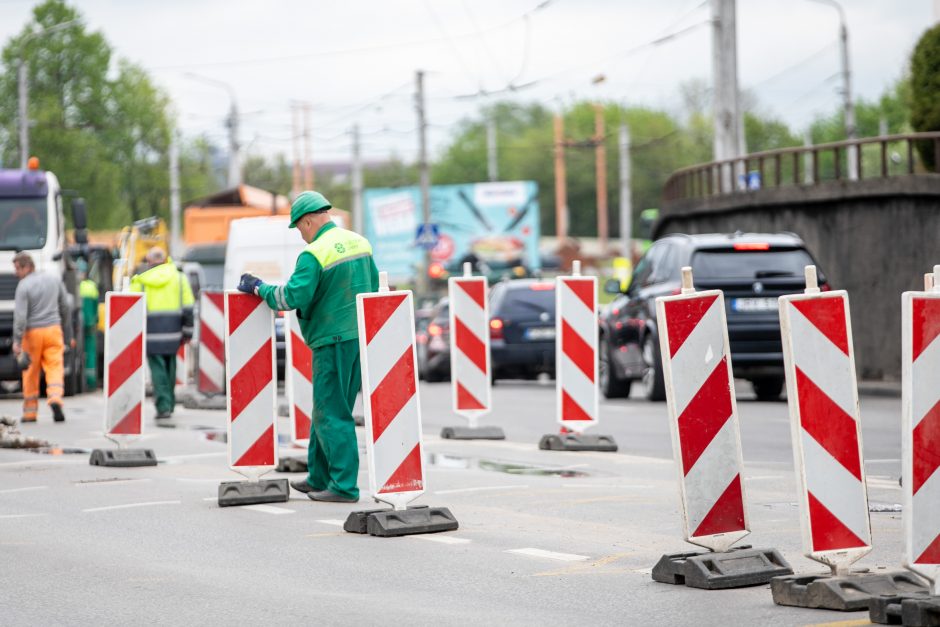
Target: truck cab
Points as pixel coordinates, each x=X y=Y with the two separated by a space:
x=32 y=219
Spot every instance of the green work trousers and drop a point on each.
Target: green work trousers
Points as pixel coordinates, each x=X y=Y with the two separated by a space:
x=163 y=379
x=333 y=453
x=91 y=358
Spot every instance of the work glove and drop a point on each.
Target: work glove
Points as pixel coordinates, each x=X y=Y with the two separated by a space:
x=249 y=284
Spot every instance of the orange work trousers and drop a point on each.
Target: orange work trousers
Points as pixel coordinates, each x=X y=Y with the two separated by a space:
x=45 y=348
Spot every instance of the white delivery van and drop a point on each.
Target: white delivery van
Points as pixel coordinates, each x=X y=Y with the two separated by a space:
x=265 y=247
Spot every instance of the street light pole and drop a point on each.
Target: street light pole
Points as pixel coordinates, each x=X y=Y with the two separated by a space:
x=848 y=104
x=22 y=81
x=234 y=163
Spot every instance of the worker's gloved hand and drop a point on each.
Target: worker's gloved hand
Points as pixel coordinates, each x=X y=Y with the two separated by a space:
x=249 y=284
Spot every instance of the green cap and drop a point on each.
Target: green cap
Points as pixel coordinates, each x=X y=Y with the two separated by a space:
x=307 y=202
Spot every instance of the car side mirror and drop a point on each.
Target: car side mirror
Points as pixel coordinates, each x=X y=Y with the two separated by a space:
x=612 y=286
x=80 y=220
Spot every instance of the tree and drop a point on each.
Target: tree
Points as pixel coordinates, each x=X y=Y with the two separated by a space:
x=925 y=91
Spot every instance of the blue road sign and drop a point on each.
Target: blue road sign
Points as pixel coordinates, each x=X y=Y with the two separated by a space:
x=427 y=236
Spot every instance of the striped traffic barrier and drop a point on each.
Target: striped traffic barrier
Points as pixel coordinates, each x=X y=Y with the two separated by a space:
x=392 y=417
x=299 y=381
x=124 y=391
x=706 y=442
x=211 y=379
x=251 y=381
x=822 y=394
x=470 y=366
x=577 y=401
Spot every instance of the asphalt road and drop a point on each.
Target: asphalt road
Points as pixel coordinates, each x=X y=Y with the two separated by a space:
x=545 y=538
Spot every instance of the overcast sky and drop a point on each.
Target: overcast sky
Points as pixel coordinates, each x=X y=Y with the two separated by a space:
x=354 y=61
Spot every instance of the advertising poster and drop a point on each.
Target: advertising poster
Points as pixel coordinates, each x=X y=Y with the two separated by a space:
x=496 y=223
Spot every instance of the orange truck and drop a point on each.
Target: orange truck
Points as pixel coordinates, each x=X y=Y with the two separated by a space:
x=206 y=221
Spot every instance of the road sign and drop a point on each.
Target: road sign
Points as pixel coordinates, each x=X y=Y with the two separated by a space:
x=920 y=402
x=822 y=394
x=703 y=417
x=427 y=236
x=211 y=345
x=299 y=382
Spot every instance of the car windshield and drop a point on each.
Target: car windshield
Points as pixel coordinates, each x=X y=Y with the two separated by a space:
x=528 y=301
x=23 y=223
x=749 y=264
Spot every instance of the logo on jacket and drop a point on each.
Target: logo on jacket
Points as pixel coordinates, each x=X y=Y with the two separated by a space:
x=339 y=248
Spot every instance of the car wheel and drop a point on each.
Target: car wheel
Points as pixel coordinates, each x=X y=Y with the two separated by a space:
x=654 y=383
x=433 y=376
x=768 y=388
x=611 y=385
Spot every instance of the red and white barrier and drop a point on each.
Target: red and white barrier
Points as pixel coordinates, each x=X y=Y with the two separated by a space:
x=390 y=394
x=920 y=354
x=299 y=381
x=576 y=350
x=251 y=377
x=124 y=350
x=470 y=346
x=703 y=415
x=211 y=378
x=822 y=394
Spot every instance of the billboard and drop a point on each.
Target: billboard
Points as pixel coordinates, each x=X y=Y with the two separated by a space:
x=497 y=223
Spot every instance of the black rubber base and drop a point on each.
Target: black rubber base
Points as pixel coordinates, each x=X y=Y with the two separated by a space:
x=846 y=593
x=358 y=522
x=472 y=433
x=253 y=493
x=735 y=568
x=577 y=442
x=912 y=610
x=291 y=464
x=123 y=458
x=390 y=523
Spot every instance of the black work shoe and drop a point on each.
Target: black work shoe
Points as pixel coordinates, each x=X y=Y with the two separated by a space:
x=330 y=497
x=57 y=414
x=163 y=415
x=301 y=485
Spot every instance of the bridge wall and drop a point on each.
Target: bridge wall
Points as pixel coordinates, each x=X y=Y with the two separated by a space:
x=874 y=238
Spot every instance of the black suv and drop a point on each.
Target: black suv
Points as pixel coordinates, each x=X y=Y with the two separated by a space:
x=752 y=269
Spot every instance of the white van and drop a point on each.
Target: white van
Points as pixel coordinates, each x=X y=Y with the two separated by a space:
x=265 y=247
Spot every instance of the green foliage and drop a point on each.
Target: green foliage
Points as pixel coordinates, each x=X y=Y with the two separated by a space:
x=925 y=90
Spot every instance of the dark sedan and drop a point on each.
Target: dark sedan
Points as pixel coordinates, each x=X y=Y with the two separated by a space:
x=522 y=328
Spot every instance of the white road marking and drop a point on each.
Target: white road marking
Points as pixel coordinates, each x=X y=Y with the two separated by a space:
x=130 y=505
x=38 y=462
x=483 y=489
x=442 y=539
x=194 y=456
x=210 y=498
x=643 y=486
x=889 y=460
x=332 y=521
x=268 y=509
x=562 y=557
x=110 y=482
x=10 y=516
x=35 y=487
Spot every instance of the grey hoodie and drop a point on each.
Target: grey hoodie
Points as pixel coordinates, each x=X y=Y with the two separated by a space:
x=40 y=301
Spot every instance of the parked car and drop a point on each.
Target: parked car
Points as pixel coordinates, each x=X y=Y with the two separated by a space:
x=752 y=269
x=522 y=328
x=422 y=320
x=434 y=351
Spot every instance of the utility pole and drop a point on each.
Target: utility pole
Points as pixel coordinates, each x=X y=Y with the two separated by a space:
x=308 y=163
x=423 y=282
x=175 y=241
x=600 y=169
x=728 y=124
x=358 y=218
x=561 y=190
x=234 y=164
x=626 y=202
x=808 y=173
x=23 y=82
x=492 y=165
x=295 y=138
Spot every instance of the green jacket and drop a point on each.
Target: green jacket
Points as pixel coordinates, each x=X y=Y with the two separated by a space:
x=169 y=307
x=329 y=273
x=89 y=293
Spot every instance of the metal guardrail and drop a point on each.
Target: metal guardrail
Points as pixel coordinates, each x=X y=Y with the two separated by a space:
x=800 y=166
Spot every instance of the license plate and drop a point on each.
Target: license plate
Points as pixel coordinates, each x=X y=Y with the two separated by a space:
x=540 y=333
x=754 y=304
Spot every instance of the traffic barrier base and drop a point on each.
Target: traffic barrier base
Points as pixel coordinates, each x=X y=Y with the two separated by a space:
x=578 y=442
x=358 y=522
x=253 y=492
x=472 y=433
x=291 y=464
x=914 y=610
x=123 y=457
x=735 y=568
x=406 y=522
x=853 y=592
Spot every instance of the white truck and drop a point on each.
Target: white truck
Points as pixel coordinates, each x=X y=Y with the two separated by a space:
x=32 y=220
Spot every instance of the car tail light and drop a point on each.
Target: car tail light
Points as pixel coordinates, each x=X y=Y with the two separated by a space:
x=496 y=329
x=542 y=287
x=752 y=246
x=421 y=338
x=435 y=330
x=824 y=287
